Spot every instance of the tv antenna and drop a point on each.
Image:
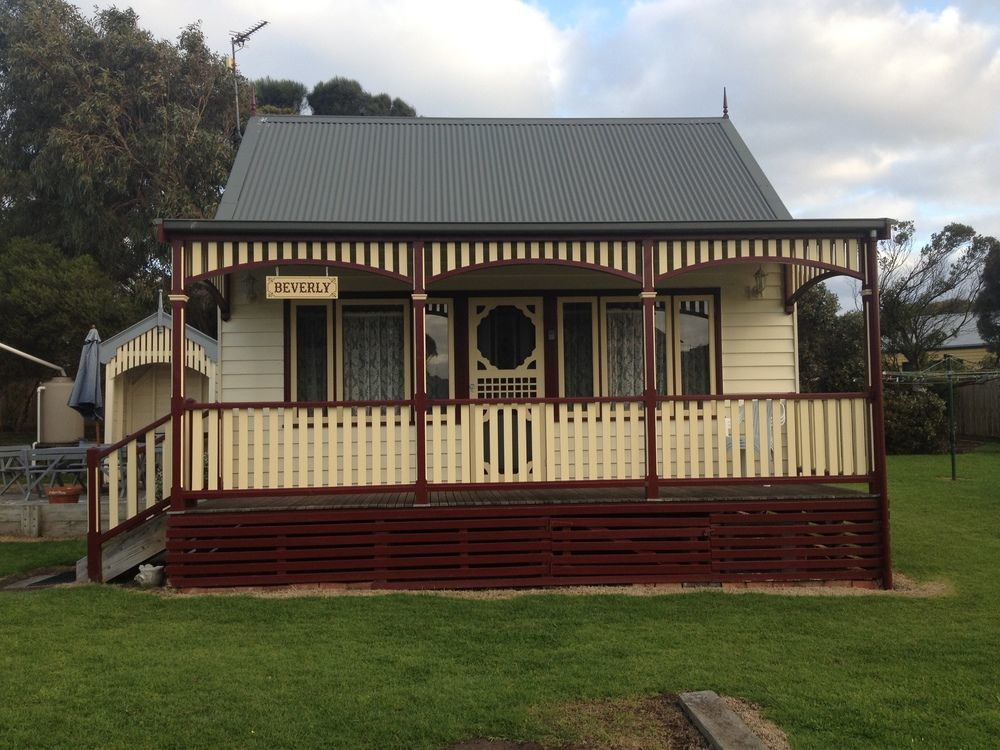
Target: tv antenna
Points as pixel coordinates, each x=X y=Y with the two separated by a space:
x=237 y=39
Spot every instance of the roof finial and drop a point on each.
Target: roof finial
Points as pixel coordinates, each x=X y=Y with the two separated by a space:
x=725 y=104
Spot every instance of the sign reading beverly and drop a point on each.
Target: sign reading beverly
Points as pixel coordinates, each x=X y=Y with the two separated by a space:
x=301 y=287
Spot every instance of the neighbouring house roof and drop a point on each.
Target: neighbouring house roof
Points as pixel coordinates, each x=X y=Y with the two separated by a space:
x=109 y=346
x=413 y=171
x=967 y=336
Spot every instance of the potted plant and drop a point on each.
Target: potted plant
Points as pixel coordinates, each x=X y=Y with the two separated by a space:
x=66 y=489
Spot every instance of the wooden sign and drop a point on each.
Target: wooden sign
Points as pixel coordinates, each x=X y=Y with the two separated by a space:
x=301 y=287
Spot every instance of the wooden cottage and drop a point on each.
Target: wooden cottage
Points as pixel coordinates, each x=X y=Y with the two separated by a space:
x=467 y=353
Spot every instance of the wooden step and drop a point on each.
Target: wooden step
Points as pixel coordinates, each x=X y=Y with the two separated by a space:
x=131 y=548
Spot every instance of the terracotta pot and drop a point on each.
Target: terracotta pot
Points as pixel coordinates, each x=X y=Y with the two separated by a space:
x=64 y=493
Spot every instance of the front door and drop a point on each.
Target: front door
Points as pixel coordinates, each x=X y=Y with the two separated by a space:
x=506 y=363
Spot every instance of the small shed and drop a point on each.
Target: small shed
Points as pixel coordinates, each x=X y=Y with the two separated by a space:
x=137 y=373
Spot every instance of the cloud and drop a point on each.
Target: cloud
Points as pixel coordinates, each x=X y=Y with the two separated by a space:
x=852 y=107
x=845 y=103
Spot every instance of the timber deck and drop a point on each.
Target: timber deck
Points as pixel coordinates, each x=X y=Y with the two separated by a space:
x=506 y=497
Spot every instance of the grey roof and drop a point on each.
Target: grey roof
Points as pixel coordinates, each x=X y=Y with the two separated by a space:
x=966 y=337
x=109 y=346
x=385 y=171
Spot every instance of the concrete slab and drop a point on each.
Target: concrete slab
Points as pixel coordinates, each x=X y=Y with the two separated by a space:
x=723 y=729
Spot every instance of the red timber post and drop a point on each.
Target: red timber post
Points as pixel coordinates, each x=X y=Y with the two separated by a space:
x=94 y=549
x=178 y=313
x=878 y=484
x=648 y=296
x=421 y=496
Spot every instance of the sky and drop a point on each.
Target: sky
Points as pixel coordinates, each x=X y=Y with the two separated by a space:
x=854 y=108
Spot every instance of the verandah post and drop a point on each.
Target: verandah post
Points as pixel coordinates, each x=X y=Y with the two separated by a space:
x=94 y=550
x=419 y=297
x=648 y=296
x=178 y=313
x=878 y=484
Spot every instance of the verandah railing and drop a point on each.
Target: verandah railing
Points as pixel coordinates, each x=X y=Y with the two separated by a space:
x=355 y=446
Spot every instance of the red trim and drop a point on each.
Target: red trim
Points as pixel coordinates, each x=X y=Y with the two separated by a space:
x=550 y=322
x=375 y=489
x=879 y=483
x=536 y=262
x=109 y=449
x=420 y=372
x=790 y=300
x=178 y=333
x=94 y=559
x=286 y=343
x=649 y=372
x=837 y=270
x=461 y=312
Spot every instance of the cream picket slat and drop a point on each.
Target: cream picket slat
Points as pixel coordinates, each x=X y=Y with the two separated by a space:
x=272 y=456
x=749 y=436
x=434 y=455
x=361 y=448
x=861 y=433
x=606 y=467
x=680 y=441
x=376 y=440
x=777 y=452
x=520 y=425
x=286 y=420
x=551 y=473
x=318 y=441
x=708 y=426
x=496 y=449
x=819 y=435
x=167 y=470
x=114 y=474
x=564 y=417
x=302 y=430
x=259 y=436
x=149 y=480
x=666 y=410
x=847 y=428
x=390 y=452
x=197 y=463
x=131 y=479
x=694 y=430
x=621 y=468
x=590 y=464
x=720 y=436
x=636 y=441
x=243 y=448
x=448 y=413
x=538 y=469
x=764 y=418
x=736 y=436
x=806 y=442
x=578 y=431
x=792 y=438
x=833 y=437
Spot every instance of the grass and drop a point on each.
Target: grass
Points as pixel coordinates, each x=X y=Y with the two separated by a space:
x=18 y=557
x=109 y=667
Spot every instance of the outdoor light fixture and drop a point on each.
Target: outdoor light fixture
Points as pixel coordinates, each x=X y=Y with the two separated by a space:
x=759 y=283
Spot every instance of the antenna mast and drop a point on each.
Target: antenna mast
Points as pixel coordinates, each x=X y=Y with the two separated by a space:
x=237 y=39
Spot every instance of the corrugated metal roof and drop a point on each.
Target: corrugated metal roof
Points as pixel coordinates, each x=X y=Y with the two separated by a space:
x=414 y=170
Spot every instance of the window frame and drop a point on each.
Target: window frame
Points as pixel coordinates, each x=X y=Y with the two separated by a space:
x=597 y=378
x=452 y=354
x=405 y=305
x=293 y=365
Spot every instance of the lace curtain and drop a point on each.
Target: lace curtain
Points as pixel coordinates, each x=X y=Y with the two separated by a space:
x=625 y=361
x=373 y=352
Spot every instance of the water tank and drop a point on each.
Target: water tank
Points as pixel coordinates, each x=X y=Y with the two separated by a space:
x=58 y=424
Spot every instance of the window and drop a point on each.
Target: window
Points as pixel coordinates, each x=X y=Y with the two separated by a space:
x=694 y=345
x=683 y=340
x=577 y=349
x=624 y=348
x=373 y=352
x=312 y=352
x=438 y=348
x=351 y=350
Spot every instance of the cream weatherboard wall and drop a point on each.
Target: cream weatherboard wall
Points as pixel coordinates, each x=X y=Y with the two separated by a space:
x=251 y=344
x=758 y=337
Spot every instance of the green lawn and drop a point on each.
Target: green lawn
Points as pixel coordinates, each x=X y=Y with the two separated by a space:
x=105 y=667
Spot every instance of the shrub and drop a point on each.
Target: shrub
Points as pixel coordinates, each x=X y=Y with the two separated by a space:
x=916 y=421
